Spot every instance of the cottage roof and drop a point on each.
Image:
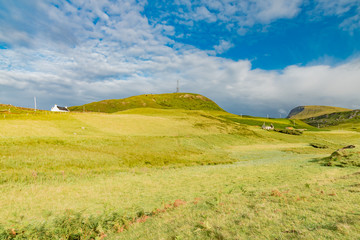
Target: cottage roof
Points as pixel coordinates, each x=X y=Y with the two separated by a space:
x=62 y=108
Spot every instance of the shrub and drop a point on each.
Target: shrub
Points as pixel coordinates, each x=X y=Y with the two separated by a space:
x=342 y=158
x=319 y=145
x=289 y=131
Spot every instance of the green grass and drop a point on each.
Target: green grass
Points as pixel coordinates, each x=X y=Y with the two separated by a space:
x=65 y=176
x=188 y=101
x=85 y=142
x=278 y=196
x=258 y=201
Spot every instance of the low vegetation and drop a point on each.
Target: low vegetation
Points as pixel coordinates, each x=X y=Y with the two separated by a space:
x=343 y=158
x=289 y=131
x=319 y=145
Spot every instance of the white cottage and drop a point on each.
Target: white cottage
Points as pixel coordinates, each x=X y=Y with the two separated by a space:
x=271 y=127
x=57 y=108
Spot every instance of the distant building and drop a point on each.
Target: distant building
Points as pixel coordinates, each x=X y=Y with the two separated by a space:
x=57 y=108
x=271 y=127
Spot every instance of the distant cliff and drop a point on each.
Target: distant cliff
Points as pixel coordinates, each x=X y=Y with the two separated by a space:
x=304 y=112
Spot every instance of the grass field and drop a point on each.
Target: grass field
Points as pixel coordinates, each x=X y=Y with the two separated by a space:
x=171 y=174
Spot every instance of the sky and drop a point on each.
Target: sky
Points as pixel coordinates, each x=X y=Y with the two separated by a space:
x=253 y=57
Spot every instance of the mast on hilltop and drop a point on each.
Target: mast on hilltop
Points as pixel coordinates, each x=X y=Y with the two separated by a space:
x=177 y=87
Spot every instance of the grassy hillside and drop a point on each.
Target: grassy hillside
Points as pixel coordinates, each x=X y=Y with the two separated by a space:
x=335 y=119
x=150 y=173
x=188 y=101
x=303 y=112
x=278 y=123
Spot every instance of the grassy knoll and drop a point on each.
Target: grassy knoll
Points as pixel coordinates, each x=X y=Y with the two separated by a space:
x=189 y=101
x=171 y=174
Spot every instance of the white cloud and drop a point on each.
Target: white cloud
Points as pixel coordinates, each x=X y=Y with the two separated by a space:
x=202 y=13
x=233 y=84
x=336 y=7
x=348 y=9
x=240 y=14
x=223 y=46
x=125 y=56
x=268 y=11
x=352 y=23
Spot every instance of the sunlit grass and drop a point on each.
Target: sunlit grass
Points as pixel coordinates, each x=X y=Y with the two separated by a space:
x=105 y=171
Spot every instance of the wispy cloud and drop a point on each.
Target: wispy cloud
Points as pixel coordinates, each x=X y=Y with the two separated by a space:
x=234 y=14
x=349 y=10
x=223 y=46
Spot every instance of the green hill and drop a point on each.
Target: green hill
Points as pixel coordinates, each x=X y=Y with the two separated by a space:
x=303 y=112
x=187 y=101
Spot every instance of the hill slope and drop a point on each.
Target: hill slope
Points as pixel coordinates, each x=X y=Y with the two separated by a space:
x=334 y=119
x=303 y=112
x=188 y=101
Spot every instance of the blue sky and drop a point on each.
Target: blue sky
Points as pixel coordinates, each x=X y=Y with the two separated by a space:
x=254 y=57
x=302 y=39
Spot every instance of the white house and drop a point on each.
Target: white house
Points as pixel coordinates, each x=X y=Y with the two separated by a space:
x=271 y=127
x=57 y=108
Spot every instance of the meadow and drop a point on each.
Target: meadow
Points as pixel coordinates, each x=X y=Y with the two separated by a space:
x=172 y=174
